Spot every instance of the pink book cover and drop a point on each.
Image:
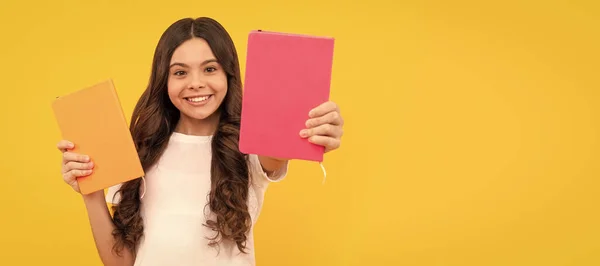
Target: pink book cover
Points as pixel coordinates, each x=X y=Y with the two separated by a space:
x=286 y=76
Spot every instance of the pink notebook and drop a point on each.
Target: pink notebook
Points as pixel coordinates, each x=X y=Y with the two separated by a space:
x=287 y=75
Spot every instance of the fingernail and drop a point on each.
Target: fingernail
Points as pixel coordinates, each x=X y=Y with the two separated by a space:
x=303 y=133
x=86 y=158
x=87 y=172
x=71 y=145
x=307 y=124
x=91 y=164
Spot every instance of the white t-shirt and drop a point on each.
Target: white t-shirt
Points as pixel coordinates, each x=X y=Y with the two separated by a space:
x=174 y=212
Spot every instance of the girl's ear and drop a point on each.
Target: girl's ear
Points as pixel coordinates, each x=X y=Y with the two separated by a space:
x=143 y=188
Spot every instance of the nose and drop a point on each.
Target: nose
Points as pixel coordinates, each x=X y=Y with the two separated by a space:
x=197 y=81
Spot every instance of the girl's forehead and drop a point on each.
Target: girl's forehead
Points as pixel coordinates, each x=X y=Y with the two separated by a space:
x=192 y=51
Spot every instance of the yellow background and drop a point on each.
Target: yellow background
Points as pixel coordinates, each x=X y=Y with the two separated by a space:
x=472 y=129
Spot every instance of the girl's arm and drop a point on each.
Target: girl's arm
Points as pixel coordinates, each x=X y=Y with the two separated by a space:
x=102 y=228
x=270 y=164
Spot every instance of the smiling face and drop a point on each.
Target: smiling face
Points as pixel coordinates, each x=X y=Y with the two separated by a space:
x=197 y=83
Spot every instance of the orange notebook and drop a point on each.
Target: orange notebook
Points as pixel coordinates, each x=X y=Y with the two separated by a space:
x=92 y=118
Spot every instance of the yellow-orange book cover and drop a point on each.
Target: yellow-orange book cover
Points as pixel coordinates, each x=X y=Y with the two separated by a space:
x=93 y=119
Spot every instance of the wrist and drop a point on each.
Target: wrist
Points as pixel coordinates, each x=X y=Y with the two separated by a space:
x=94 y=196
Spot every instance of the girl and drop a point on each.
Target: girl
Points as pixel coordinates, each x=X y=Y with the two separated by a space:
x=201 y=197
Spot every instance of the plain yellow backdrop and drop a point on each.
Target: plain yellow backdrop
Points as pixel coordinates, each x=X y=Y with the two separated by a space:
x=472 y=129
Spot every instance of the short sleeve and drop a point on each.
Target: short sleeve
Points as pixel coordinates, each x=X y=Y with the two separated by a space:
x=112 y=195
x=258 y=172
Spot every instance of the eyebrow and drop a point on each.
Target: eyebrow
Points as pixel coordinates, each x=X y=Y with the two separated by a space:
x=184 y=65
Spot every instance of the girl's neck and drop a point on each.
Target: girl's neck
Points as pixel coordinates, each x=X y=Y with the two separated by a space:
x=205 y=127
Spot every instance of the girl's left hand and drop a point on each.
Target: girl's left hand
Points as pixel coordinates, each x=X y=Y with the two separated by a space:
x=324 y=126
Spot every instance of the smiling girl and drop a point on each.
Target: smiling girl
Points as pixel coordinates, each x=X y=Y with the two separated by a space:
x=201 y=197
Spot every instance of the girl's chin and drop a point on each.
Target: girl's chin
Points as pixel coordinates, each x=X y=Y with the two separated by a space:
x=202 y=115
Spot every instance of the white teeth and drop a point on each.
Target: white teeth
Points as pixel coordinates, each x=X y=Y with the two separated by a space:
x=198 y=99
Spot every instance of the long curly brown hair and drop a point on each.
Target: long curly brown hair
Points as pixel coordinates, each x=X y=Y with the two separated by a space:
x=153 y=121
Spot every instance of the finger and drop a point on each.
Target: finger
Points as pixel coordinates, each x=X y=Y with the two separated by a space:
x=64 y=145
x=72 y=175
x=328 y=130
x=328 y=142
x=333 y=118
x=75 y=157
x=78 y=166
x=323 y=109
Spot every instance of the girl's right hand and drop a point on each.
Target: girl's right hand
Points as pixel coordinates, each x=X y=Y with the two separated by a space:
x=73 y=165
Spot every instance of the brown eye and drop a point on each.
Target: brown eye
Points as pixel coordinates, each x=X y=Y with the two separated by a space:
x=179 y=73
x=211 y=69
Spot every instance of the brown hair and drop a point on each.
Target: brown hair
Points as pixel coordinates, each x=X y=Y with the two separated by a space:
x=153 y=121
